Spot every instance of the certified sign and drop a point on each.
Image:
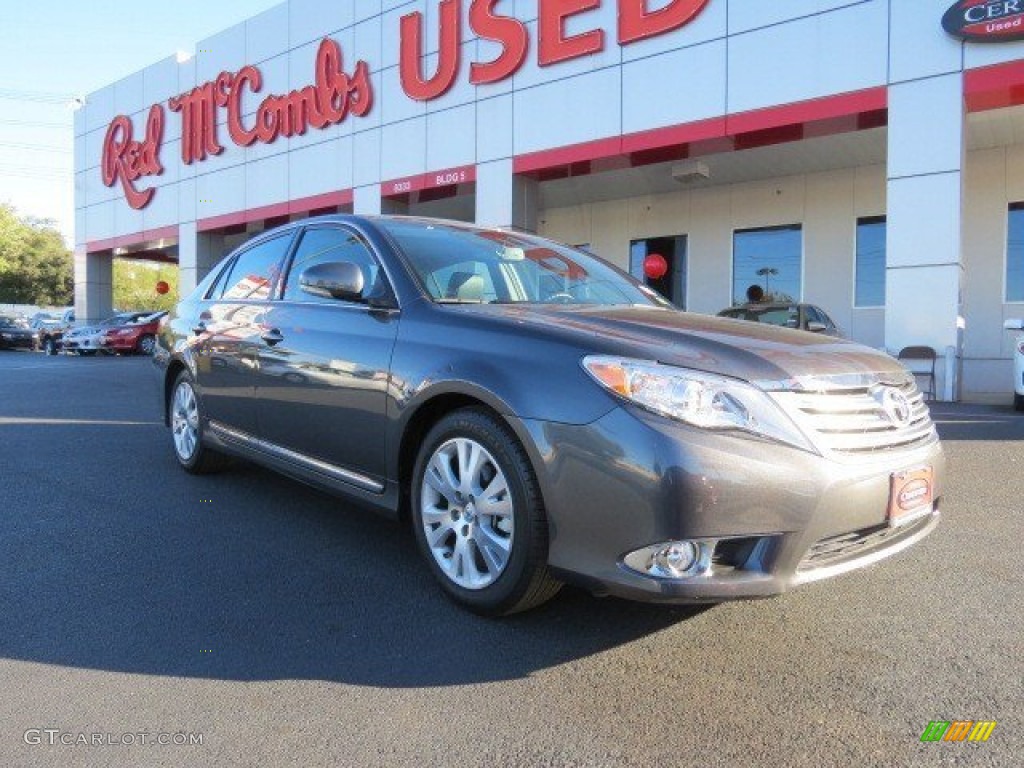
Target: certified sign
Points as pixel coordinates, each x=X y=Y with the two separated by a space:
x=986 y=21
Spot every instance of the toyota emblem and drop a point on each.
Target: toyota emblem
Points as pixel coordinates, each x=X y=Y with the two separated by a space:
x=894 y=405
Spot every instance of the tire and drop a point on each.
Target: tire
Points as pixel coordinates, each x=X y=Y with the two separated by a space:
x=1018 y=402
x=146 y=345
x=49 y=346
x=492 y=562
x=87 y=352
x=184 y=411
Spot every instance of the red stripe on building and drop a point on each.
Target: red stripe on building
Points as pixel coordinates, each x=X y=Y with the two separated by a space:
x=852 y=111
x=277 y=210
x=994 y=87
x=124 y=241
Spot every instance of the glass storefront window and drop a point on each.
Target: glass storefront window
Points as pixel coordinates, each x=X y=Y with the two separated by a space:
x=769 y=257
x=870 y=268
x=1015 y=254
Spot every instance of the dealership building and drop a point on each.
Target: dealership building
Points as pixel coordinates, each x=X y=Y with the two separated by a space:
x=866 y=157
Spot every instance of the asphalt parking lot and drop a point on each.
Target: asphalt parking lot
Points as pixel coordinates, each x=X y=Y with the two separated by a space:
x=287 y=630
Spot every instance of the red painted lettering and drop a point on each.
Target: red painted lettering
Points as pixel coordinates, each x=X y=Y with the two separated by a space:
x=411 y=44
x=510 y=32
x=552 y=43
x=637 y=23
x=127 y=160
x=333 y=96
x=247 y=77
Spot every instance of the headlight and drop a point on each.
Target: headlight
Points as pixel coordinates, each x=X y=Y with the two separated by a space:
x=696 y=398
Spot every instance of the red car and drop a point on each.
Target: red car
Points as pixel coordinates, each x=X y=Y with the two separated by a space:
x=138 y=337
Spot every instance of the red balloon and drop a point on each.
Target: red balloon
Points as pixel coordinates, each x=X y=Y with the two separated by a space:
x=162 y=287
x=655 y=266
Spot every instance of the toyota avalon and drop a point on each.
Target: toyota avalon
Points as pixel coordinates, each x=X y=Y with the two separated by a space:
x=538 y=417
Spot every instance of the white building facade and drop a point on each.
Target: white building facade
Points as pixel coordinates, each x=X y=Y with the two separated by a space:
x=856 y=155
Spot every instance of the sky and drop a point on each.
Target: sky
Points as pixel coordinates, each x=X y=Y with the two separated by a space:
x=55 y=50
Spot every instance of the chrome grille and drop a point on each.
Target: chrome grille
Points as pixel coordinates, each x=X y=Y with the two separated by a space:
x=853 y=422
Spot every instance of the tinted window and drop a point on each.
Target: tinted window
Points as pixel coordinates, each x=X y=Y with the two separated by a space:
x=470 y=265
x=255 y=271
x=771 y=257
x=870 y=265
x=1015 y=254
x=326 y=244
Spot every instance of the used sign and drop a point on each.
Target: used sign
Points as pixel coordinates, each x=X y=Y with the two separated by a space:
x=986 y=21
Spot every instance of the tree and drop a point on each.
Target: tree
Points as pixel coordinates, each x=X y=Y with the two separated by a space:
x=135 y=285
x=35 y=265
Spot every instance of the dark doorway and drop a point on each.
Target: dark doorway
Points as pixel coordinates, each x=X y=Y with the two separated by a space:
x=673 y=284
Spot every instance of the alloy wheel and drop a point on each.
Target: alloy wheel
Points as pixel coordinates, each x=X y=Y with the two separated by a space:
x=185 y=421
x=467 y=513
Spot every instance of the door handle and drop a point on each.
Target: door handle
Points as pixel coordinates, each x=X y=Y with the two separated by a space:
x=272 y=336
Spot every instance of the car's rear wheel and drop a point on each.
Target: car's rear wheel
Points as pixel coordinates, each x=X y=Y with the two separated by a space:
x=1018 y=402
x=87 y=352
x=187 y=431
x=146 y=344
x=50 y=346
x=478 y=515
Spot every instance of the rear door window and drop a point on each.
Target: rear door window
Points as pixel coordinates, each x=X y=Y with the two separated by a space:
x=255 y=272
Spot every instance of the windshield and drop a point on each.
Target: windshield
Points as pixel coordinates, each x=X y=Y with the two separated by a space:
x=785 y=316
x=13 y=322
x=465 y=265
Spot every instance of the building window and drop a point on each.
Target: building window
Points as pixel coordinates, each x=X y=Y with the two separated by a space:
x=1015 y=254
x=870 y=290
x=771 y=258
x=671 y=285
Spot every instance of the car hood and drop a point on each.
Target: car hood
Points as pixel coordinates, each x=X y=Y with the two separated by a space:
x=768 y=355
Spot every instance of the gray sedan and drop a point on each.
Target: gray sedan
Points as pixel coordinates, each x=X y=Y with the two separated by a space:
x=537 y=417
x=806 y=317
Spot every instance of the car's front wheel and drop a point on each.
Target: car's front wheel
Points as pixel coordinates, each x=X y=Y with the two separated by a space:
x=478 y=515
x=186 y=429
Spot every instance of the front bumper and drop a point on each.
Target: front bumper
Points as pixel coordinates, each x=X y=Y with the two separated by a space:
x=783 y=517
x=79 y=343
x=18 y=341
x=118 y=344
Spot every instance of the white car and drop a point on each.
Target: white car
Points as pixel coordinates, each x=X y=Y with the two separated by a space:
x=88 y=340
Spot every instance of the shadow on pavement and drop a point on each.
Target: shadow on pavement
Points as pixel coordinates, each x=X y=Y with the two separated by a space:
x=957 y=421
x=112 y=558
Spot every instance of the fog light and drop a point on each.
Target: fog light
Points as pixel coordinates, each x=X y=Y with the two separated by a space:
x=672 y=559
x=677 y=558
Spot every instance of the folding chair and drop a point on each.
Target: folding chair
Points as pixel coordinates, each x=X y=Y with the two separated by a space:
x=925 y=355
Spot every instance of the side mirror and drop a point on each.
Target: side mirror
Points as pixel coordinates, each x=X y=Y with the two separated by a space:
x=1014 y=324
x=815 y=327
x=333 y=280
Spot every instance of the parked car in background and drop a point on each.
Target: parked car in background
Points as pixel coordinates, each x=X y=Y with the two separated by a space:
x=137 y=337
x=88 y=340
x=15 y=333
x=803 y=317
x=537 y=416
x=51 y=330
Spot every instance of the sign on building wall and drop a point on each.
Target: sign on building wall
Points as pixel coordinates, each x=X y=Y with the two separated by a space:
x=985 y=21
x=335 y=95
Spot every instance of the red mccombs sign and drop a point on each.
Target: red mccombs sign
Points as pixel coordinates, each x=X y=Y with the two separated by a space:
x=985 y=21
x=335 y=95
